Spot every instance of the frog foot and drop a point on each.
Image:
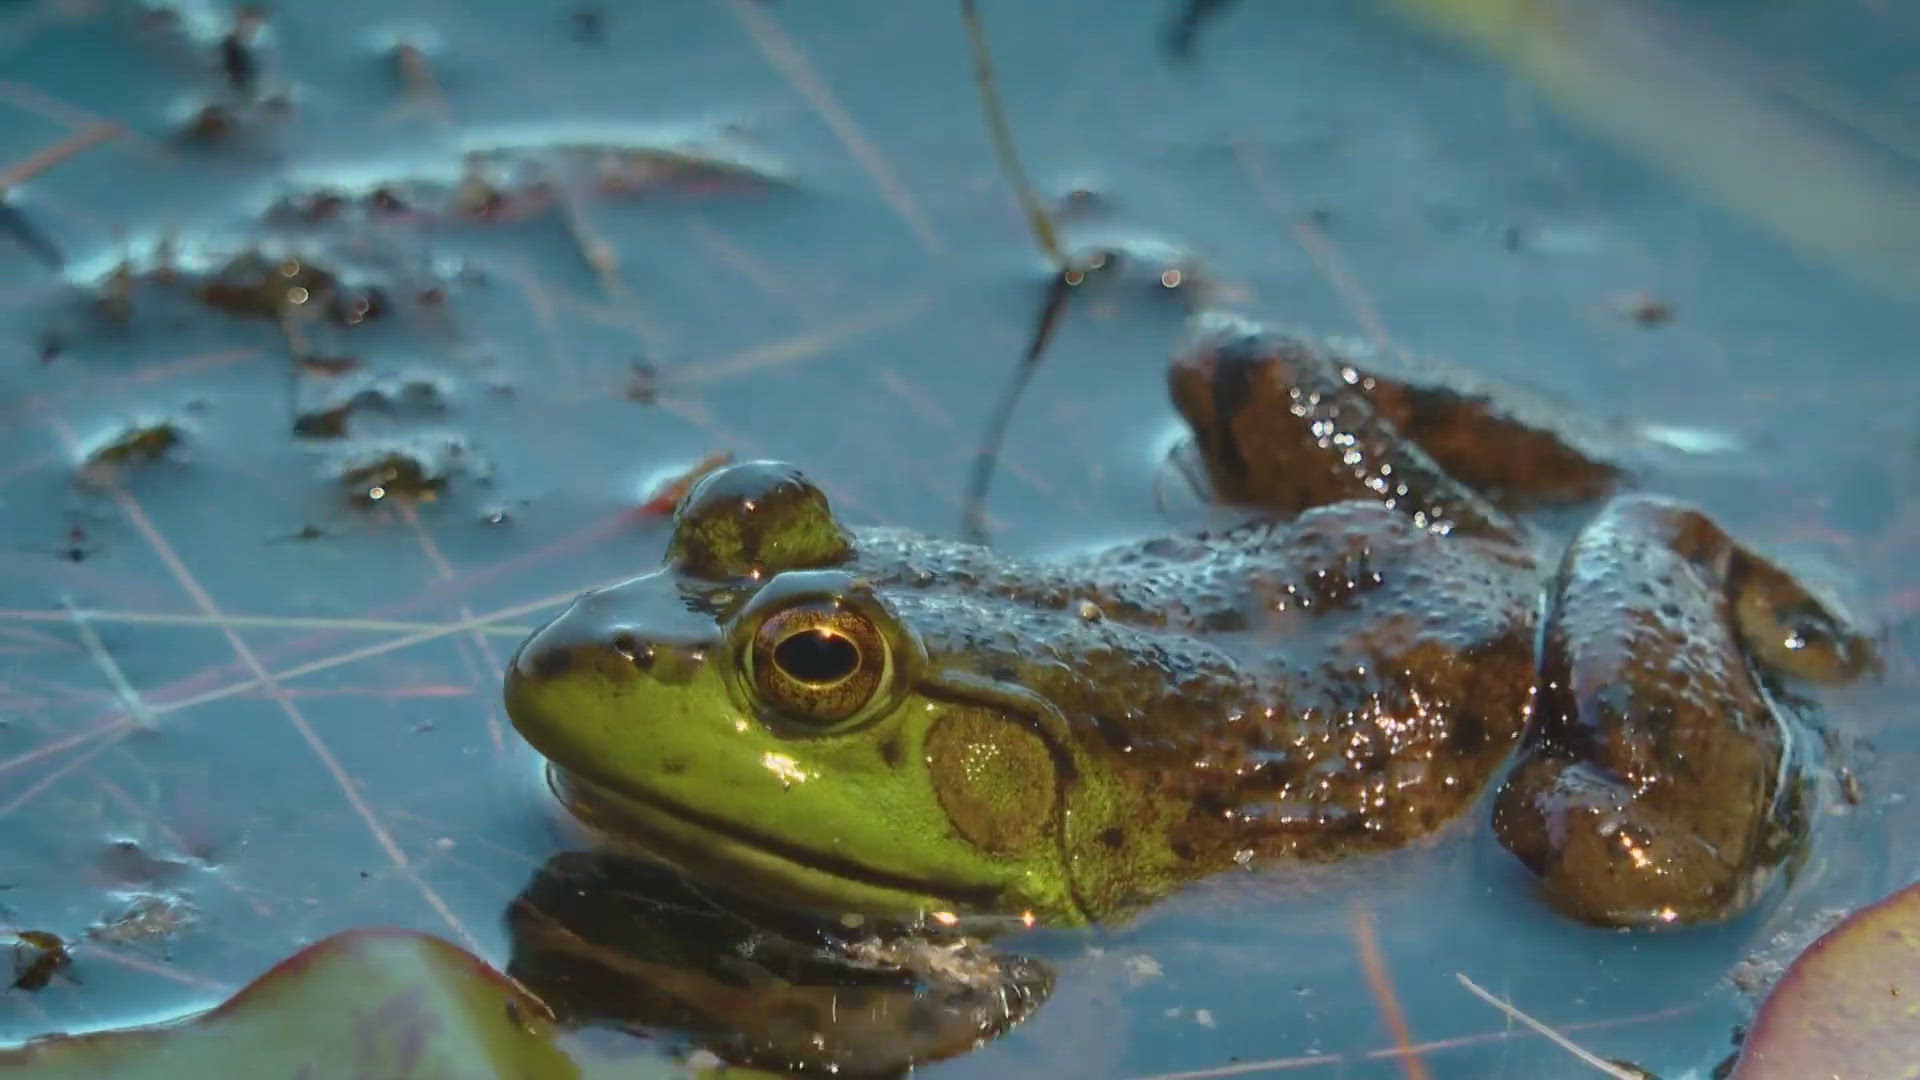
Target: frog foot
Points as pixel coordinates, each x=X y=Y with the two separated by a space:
x=1660 y=782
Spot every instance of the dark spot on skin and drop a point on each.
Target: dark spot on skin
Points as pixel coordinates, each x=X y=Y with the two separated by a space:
x=1115 y=735
x=1183 y=849
x=1003 y=673
x=673 y=766
x=890 y=751
x=1113 y=838
x=1468 y=732
x=552 y=663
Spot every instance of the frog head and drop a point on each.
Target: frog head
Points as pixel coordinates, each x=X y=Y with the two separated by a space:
x=759 y=713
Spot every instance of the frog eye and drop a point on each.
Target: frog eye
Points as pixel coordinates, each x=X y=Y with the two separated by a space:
x=818 y=663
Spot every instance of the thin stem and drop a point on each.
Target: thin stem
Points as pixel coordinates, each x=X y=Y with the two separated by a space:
x=973 y=514
x=1037 y=219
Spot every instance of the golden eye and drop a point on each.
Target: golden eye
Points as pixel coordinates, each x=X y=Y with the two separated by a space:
x=818 y=663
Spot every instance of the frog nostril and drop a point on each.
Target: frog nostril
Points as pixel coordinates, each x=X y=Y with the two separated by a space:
x=634 y=651
x=550 y=663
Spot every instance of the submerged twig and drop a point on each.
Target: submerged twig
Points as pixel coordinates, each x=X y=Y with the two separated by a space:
x=973 y=518
x=272 y=622
x=595 y=250
x=1184 y=29
x=130 y=698
x=1552 y=1036
x=42 y=160
x=792 y=63
x=1002 y=136
x=1380 y=984
x=14 y=224
x=973 y=514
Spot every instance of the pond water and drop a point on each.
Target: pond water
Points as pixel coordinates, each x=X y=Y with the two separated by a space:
x=270 y=708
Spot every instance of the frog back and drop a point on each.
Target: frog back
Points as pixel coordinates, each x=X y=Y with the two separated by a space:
x=1341 y=681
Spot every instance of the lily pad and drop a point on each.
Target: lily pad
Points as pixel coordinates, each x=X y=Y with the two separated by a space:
x=1849 y=1005
x=365 y=1004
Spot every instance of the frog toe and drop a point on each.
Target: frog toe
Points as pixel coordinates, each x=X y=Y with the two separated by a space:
x=1609 y=859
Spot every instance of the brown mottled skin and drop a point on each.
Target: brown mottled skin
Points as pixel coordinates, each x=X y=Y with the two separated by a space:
x=1341 y=674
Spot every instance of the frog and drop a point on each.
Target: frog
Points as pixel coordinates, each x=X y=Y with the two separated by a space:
x=871 y=721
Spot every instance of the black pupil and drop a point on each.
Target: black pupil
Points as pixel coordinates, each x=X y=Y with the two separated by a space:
x=819 y=657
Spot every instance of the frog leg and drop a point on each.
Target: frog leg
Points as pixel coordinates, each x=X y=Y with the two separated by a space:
x=1515 y=452
x=1502 y=448
x=1285 y=428
x=1661 y=780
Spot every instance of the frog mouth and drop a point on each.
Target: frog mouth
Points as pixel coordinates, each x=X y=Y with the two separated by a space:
x=725 y=853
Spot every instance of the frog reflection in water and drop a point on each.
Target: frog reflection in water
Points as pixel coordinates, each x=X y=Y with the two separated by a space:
x=876 y=721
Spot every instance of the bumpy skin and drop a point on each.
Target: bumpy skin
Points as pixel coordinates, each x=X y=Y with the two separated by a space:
x=890 y=723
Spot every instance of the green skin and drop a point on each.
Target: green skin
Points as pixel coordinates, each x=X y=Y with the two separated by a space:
x=874 y=721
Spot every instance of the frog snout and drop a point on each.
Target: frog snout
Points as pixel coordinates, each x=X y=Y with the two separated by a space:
x=630 y=626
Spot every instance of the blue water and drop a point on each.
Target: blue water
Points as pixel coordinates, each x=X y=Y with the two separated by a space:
x=1328 y=165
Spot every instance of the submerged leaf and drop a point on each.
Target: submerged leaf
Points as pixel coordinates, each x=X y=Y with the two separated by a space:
x=365 y=1004
x=1849 y=1006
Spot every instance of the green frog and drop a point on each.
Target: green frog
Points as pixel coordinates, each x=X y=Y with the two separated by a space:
x=875 y=721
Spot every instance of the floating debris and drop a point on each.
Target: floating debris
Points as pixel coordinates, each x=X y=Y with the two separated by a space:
x=210 y=123
x=514 y=181
x=1644 y=308
x=238 y=59
x=1082 y=201
x=394 y=475
x=1183 y=29
x=78 y=547
x=328 y=366
x=416 y=71
x=252 y=283
x=590 y=24
x=137 y=444
x=37 y=956
x=140 y=443
x=127 y=862
x=418 y=472
x=329 y=423
x=625 y=171
x=226 y=119
x=145 y=917
x=408 y=398
x=643 y=382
